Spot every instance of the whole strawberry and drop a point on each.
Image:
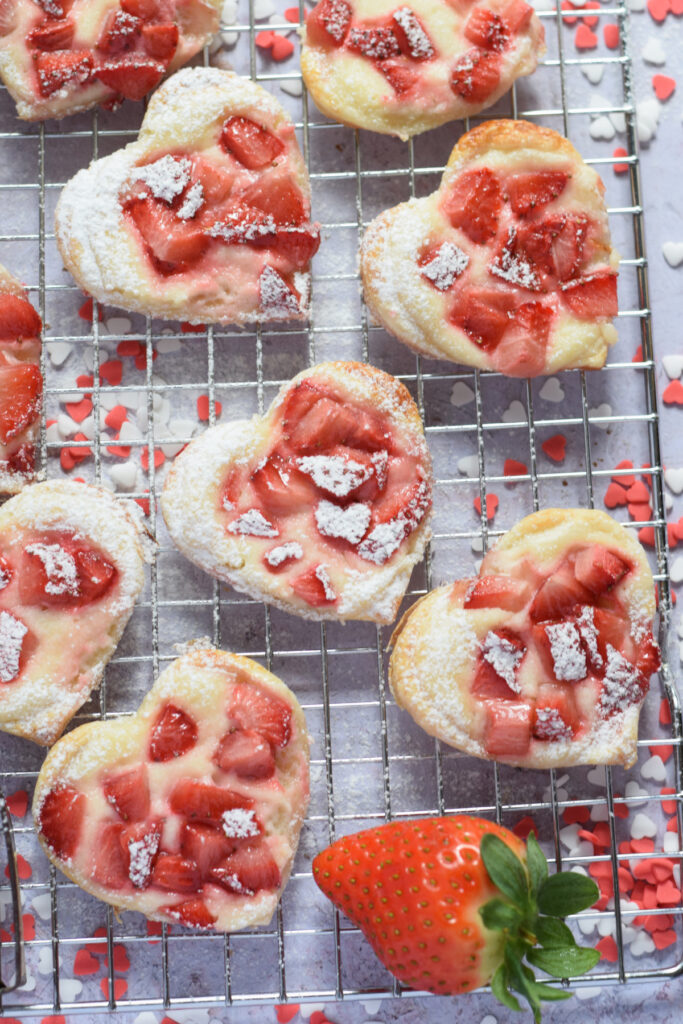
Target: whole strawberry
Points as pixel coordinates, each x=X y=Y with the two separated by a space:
x=450 y=904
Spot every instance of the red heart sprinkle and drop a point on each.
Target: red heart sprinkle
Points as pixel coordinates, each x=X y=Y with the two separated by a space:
x=641 y=513
x=585 y=39
x=264 y=39
x=186 y=327
x=608 y=949
x=668 y=806
x=85 y=380
x=292 y=14
x=638 y=493
x=554 y=447
x=665 y=750
x=524 y=827
x=491 y=505
x=624 y=479
x=120 y=987
x=18 y=803
x=29 y=926
x=658 y=9
x=576 y=815
x=663 y=86
x=85 y=312
x=285 y=1013
x=79 y=410
x=512 y=467
x=54 y=1020
x=144 y=504
x=610 y=33
x=112 y=372
x=159 y=458
x=116 y=417
x=664 y=712
x=318 y=1017
x=568 y=19
x=203 y=408
x=129 y=347
x=122 y=451
x=282 y=47
x=66 y=460
x=664 y=939
x=591 y=21
x=615 y=495
x=620 y=168
x=646 y=536
x=671 y=535
x=121 y=959
x=677 y=7
x=620 y=810
x=85 y=963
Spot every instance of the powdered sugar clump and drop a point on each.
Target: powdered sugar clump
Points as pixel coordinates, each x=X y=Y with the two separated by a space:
x=235 y=229
x=60 y=568
x=513 y=268
x=504 y=657
x=569 y=659
x=550 y=725
x=12 y=633
x=254 y=524
x=448 y=263
x=348 y=523
x=277 y=298
x=324 y=577
x=621 y=685
x=419 y=43
x=5 y=577
x=193 y=202
x=166 y=177
x=276 y=556
x=334 y=473
x=142 y=853
x=589 y=634
x=240 y=823
x=383 y=541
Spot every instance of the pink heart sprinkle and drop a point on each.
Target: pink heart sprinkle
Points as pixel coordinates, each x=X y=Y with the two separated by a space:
x=663 y=86
x=555 y=447
x=585 y=39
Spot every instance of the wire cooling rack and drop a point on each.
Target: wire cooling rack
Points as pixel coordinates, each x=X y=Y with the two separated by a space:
x=370 y=761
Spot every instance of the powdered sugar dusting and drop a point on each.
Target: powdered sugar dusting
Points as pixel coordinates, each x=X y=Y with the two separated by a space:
x=513 y=268
x=550 y=725
x=419 y=43
x=277 y=298
x=621 y=684
x=323 y=575
x=167 y=177
x=448 y=263
x=240 y=823
x=349 y=523
x=334 y=473
x=589 y=634
x=193 y=202
x=12 y=633
x=291 y=550
x=569 y=659
x=60 y=568
x=142 y=853
x=234 y=229
x=504 y=658
x=383 y=541
x=254 y=524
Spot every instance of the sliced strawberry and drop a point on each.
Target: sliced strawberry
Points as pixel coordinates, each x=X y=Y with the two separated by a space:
x=65 y=68
x=532 y=190
x=483 y=314
x=173 y=734
x=281 y=488
x=300 y=400
x=56 y=572
x=555 y=714
x=522 y=349
x=246 y=753
x=248 y=142
x=507 y=732
x=140 y=843
x=369 y=433
x=326 y=424
x=205 y=845
x=497 y=592
x=475 y=75
x=412 y=36
x=132 y=76
x=215 y=181
x=128 y=792
x=408 y=503
x=23 y=460
x=312 y=589
x=266 y=714
x=205 y=802
x=592 y=296
x=191 y=913
x=374 y=41
x=598 y=569
x=517 y=15
x=21 y=387
x=297 y=245
x=18 y=319
x=648 y=657
x=248 y=870
x=555 y=244
x=160 y=40
x=400 y=76
x=95 y=574
x=110 y=861
x=558 y=597
x=489 y=685
x=143 y=9
x=612 y=630
x=473 y=204
x=52 y=35
x=176 y=873
x=487 y=30
x=280 y=198
x=60 y=818
x=328 y=23
x=120 y=32
x=174 y=242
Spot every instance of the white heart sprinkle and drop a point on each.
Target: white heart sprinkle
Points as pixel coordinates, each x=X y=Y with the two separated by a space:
x=141 y=418
x=648 y=112
x=514 y=413
x=182 y=428
x=469 y=465
x=52 y=434
x=87 y=427
x=69 y=988
x=589 y=992
x=587 y=925
x=42 y=905
x=221 y=59
x=593 y=72
x=166 y=345
x=29 y=984
x=306 y=1009
x=190 y=1016
x=129 y=432
x=477 y=545
x=489 y=1019
x=66 y=427
x=632 y=791
x=263 y=9
x=599 y=812
x=604 y=409
x=45 y=961
x=292 y=87
x=596 y=776
x=583 y=848
x=676 y=571
x=372 y=1006
x=569 y=835
x=673 y=479
x=118 y=325
x=229 y=12
x=654 y=768
x=88 y=357
x=606 y=925
x=124 y=475
x=58 y=351
x=636 y=5
x=643 y=827
x=668 y=502
x=579 y=870
x=146 y=1017
x=619 y=121
x=552 y=390
x=642 y=945
x=673 y=366
x=673 y=253
x=602 y=128
x=670 y=842
x=462 y=394
x=653 y=51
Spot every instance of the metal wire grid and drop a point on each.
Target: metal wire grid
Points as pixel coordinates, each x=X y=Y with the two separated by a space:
x=331 y=817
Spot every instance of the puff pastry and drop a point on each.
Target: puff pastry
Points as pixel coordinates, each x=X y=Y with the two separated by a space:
x=21 y=384
x=190 y=811
x=321 y=507
x=403 y=69
x=59 y=57
x=545 y=658
x=508 y=265
x=206 y=217
x=71 y=568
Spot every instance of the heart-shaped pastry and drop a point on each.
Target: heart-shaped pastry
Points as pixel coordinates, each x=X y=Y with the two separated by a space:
x=545 y=658
x=59 y=57
x=190 y=811
x=21 y=384
x=404 y=69
x=206 y=217
x=508 y=266
x=71 y=568
x=321 y=506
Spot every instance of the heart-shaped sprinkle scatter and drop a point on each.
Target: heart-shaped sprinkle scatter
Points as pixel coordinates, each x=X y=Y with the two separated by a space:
x=602 y=128
x=111 y=371
x=673 y=393
x=555 y=447
x=85 y=963
x=585 y=39
x=663 y=86
x=658 y=9
x=189 y=811
x=71 y=565
x=653 y=51
x=673 y=364
x=610 y=34
x=512 y=467
x=491 y=505
x=552 y=390
x=673 y=479
x=492 y=269
x=228 y=203
x=120 y=987
x=619 y=167
x=673 y=254
x=286 y=1013
x=548 y=652
x=462 y=394
x=321 y=506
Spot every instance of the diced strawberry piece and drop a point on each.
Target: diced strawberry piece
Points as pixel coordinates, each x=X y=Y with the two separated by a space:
x=483 y=314
x=328 y=23
x=56 y=572
x=143 y=9
x=205 y=845
x=132 y=77
x=522 y=349
x=95 y=574
x=215 y=181
x=507 y=732
x=300 y=400
x=204 y=801
x=475 y=75
x=278 y=298
x=487 y=30
x=246 y=753
x=327 y=423
x=55 y=8
x=555 y=244
x=280 y=198
x=160 y=40
x=310 y=588
x=23 y=460
x=128 y=792
x=248 y=870
x=52 y=35
x=592 y=296
x=170 y=240
x=529 y=191
x=613 y=630
x=497 y=592
x=191 y=913
x=411 y=34
x=65 y=68
x=18 y=318
x=598 y=569
x=21 y=387
x=248 y=142
x=408 y=503
x=297 y=245
x=518 y=15
x=555 y=715
x=140 y=843
x=109 y=858
x=60 y=819
x=473 y=204
x=374 y=41
x=558 y=597
x=648 y=658
x=266 y=714
x=176 y=873
x=119 y=33
x=489 y=685
x=400 y=77
x=281 y=488
x=173 y=734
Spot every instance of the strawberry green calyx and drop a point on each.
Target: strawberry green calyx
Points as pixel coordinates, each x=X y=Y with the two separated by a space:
x=530 y=915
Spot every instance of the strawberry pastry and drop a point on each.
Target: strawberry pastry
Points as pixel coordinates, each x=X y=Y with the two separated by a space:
x=321 y=507
x=545 y=658
x=205 y=218
x=71 y=568
x=59 y=57
x=402 y=69
x=189 y=811
x=508 y=266
x=21 y=384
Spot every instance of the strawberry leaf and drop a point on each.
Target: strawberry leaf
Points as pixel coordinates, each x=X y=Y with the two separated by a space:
x=553 y=933
x=566 y=893
x=499 y=986
x=499 y=915
x=550 y=994
x=506 y=870
x=535 y=862
x=564 y=963
x=522 y=980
